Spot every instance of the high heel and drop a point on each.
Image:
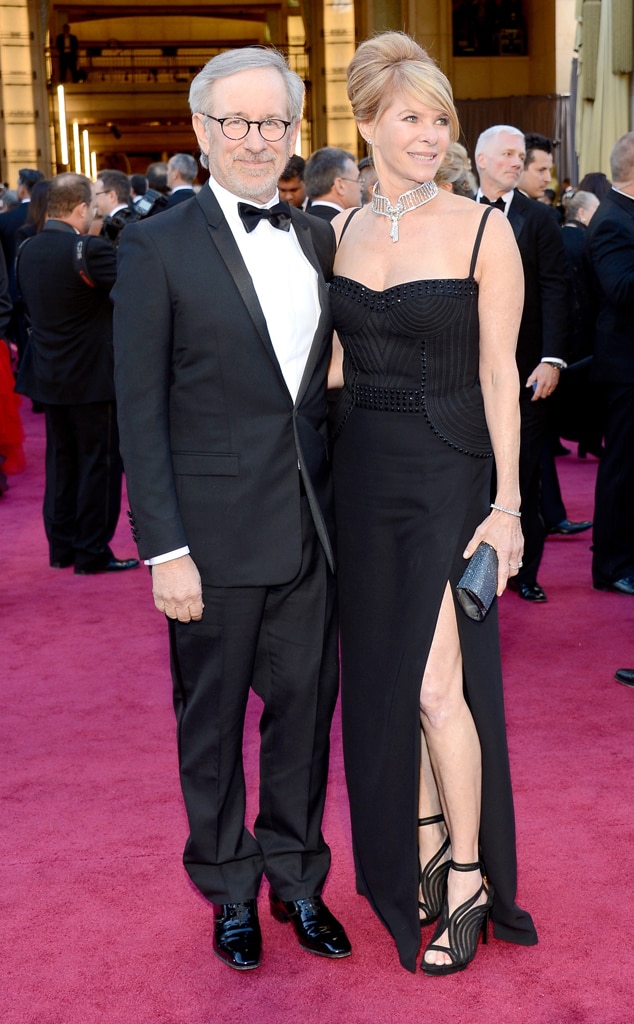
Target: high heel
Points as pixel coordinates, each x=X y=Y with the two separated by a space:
x=433 y=877
x=463 y=928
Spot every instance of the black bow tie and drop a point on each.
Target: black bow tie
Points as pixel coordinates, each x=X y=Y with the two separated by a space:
x=499 y=204
x=279 y=215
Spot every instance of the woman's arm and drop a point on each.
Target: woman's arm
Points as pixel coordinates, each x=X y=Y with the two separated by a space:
x=501 y=296
x=335 y=370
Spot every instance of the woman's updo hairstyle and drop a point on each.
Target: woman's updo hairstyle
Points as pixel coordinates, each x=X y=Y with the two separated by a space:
x=392 y=62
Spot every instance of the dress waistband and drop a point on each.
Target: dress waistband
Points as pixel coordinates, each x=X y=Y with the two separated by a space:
x=366 y=396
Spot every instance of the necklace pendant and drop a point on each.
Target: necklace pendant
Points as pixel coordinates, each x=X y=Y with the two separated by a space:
x=394 y=229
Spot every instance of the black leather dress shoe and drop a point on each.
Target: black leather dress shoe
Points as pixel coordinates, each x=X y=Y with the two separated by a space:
x=237 y=935
x=527 y=591
x=622 y=586
x=567 y=527
x=114 y=565
x=625 y=676
x=317 y=929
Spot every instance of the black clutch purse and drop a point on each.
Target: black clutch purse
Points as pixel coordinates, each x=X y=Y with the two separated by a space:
x=478 y=583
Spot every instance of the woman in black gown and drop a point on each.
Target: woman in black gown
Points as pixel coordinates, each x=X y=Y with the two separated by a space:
x=426 y=297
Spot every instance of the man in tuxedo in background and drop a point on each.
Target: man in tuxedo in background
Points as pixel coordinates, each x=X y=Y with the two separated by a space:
x=333 y=182
x=181 y=175
x=221 y=380
x=610 y=246
x=542 y=341
x=534 y=180
x=68 y=366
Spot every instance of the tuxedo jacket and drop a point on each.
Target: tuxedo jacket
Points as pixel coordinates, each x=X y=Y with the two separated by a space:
x=213 y=443
x=69 y=358
x=610 y=245
x=326 y=213
x=10 y=222
x=179 y=197
x=544 y=324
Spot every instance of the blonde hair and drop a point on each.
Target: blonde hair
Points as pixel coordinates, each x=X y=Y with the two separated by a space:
x=392 y=62
x=456 y=171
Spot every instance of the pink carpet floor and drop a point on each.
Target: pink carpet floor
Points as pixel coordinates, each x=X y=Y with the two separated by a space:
x=98 y=922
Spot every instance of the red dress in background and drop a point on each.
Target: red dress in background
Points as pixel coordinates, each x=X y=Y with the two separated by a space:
x=11 y=431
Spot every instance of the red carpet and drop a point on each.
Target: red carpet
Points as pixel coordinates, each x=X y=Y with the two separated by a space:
x=99 y=924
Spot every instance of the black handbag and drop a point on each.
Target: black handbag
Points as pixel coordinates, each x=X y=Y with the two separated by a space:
x=478 y=584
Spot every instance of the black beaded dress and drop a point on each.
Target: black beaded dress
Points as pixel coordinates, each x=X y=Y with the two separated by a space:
x=412 y=470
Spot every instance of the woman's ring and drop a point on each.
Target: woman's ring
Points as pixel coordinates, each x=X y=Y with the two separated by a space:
x=518 y=566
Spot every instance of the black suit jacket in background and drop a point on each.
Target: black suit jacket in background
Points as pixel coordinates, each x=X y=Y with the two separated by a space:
x=211 y=438
x=544 y=324
x=610 y=245
x=69 y=359
x=10 y=222
x=179 y=197
x=326 y=213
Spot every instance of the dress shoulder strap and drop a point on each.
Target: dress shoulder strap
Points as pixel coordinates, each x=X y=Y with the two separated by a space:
x=345 y=225
x=478 y=239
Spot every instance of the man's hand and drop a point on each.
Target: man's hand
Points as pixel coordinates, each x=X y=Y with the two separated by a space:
x=177 y=590
x=545 y=377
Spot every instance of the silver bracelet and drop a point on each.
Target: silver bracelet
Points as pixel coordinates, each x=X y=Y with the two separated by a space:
x=509 y=511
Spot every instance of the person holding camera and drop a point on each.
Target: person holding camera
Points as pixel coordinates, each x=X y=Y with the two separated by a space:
x=111 y=193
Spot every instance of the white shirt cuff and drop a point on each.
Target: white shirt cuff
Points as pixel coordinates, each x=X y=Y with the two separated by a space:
x=159 y=559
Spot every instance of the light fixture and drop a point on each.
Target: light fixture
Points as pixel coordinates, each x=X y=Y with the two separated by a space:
x=63 y=131
x=76 y=148
x=86 y=141
x=93 y=165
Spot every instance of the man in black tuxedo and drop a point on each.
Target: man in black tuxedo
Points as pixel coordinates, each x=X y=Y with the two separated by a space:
x=181 y=174
x=332 y=182
x=610 y=246
x=542 y=340
x=65 y=281
x=222 y=343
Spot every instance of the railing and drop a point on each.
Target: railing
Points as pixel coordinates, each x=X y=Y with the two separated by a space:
x=115 y=63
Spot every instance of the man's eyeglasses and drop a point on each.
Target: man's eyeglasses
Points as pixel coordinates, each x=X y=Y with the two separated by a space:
x=273 y=129
x=355 y=181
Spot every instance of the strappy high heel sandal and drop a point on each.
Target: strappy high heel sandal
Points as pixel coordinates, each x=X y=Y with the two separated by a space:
x=433 y=877
x=463 y=928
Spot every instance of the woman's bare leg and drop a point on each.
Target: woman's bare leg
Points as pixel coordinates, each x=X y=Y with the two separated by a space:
x=454 y=757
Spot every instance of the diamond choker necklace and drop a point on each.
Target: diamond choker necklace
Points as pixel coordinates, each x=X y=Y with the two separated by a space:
x=408 y=201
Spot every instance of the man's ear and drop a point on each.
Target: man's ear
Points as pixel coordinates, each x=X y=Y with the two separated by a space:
x=199 y=125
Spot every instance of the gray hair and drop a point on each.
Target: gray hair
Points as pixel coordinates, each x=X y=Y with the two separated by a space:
x=185 y=165
x=323 y=167
x=249 y=57
x=579 y=201
x=491 y=133
x=622 y=158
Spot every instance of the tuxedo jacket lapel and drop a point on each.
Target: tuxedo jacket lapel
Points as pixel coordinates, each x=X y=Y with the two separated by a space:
x=516 y=217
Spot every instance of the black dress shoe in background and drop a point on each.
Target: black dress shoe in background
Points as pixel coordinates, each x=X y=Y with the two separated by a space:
x=622 y=586
x=317 y=929
x=114 y=565
x=568 y=528
x=237 y=935
x=625 y=676
x=527 y=591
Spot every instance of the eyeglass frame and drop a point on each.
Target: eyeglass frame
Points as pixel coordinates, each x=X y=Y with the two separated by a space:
x=355 y=181
x=221 y=122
